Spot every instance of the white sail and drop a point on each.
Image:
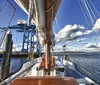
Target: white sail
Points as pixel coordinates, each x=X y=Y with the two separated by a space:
x=39 y=15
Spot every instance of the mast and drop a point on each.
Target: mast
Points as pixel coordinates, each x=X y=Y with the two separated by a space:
x=47 y=58
x=44 y=14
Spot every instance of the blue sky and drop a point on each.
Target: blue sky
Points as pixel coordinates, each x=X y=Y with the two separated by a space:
x=6 y=14
x=69 y=13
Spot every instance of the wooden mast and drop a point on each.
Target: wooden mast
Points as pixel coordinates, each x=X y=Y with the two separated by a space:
x=51 y=7
x=49 y=18
x=47 y=59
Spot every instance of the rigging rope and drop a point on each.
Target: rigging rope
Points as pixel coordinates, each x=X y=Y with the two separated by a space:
x=3 y=6
x=2 y=11
x=85 y=6
x=31 y=7
x=89 y=14
x=91 y=10
x=95 y=25
x=94 y=8
x=83 y=12
x=95 y=11
x=57 y=24
x=93 y=14
x=94 y=17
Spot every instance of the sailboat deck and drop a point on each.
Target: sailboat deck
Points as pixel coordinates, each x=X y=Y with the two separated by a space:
x=70 y=73
x=45 y=80
x=67 y=73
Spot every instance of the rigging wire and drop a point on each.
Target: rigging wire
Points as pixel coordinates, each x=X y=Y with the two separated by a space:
x=2 y=11
x=95 y=11
x=91 y=18
x=58 y=20
x=86 y=7
x=3 y=6
x=9 y=21
x=57 y=24
x=86 y=15
x=91 y=10
x=31 y=7
x=94 y=8
x=83 y=12
x=95 y=25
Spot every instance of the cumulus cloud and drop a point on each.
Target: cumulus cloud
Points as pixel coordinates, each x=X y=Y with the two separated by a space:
x=96 y=25
x=70 y=32
x=68 y=41
x=87 y=32
x=84 y=43
x=82 y=39
x=92 y=45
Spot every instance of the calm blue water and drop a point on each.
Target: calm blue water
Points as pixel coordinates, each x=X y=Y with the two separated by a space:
x=16 y=64
x=88 y=64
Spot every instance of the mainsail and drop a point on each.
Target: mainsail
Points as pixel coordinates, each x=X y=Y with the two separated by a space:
x=44 y=12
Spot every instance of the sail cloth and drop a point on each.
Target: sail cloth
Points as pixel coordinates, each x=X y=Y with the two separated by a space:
x=44 y=12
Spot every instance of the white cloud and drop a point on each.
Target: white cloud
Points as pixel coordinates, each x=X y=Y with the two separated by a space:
x=87 y=32
x=80 y=40
x=14 y=45
x=79 y=33
x=96 y=25
x=55 y=35
x=83 y=39
x=70 y=32
x=92 y=45
x=68 y=41
x=84 y=43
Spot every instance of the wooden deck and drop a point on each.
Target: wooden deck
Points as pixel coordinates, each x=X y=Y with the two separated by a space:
x=47 y=80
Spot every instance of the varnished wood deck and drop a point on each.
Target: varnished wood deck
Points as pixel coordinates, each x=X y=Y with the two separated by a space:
x=45 y=81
